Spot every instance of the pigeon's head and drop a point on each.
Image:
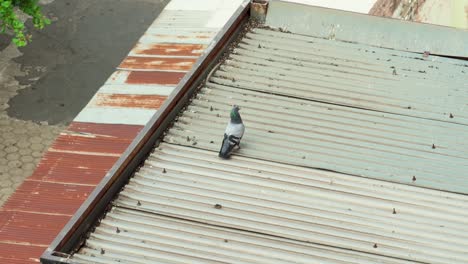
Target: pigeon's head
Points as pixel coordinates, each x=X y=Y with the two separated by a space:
x=235 y=116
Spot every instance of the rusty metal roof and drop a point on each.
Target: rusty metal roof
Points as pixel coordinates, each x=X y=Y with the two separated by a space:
x=353 y=153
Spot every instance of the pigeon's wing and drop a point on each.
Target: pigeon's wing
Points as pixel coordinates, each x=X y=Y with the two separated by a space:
x=226 y=148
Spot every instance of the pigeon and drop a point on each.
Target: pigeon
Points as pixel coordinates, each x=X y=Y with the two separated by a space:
x=233 y=134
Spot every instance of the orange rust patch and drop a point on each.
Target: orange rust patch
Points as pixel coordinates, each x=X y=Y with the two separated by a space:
x=170 y=49
x=148 y=63
x=130 y=100
x=163 y=78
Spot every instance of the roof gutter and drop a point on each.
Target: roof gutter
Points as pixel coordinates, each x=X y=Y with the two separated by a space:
x=73 y=235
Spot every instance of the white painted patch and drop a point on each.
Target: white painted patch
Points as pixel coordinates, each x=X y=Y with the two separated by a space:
x=219 y=18
x=150 y=70
x=114 y=115
x=204 y=5
x=152 y=39
x=359 y=6
x=118 y=77
x=136 y=89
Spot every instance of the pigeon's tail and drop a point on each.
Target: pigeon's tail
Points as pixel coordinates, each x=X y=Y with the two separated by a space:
x=228 y=145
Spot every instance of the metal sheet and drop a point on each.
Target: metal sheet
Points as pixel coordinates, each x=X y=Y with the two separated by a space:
x=375 y=31
x=162 y=78
x=354 y=141
x=179 y=36
x=157 y=64
x=128 y=100
x=48 y=198
x=62 y=167
x=306 y=102
x=20 y=253
x=30 y=228
x=189 y=50
x=350 y=74
x=158 y=239
x=302 y=205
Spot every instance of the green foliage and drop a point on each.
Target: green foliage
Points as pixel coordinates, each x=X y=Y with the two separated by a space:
x=10 y=21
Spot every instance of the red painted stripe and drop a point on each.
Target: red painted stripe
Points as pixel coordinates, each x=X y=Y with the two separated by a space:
x=129 y=100
x=46 y=197
x=103 y=145
x=162 y=64
x=12 y=254
x=164 y=78
x=73 y=168
x=169 y=49
x=34 y=228
x=113 y=130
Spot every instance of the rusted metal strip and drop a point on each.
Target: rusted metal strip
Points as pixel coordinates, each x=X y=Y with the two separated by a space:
x=129 y=100
x=164 y=78
x=95 y=206
x=63 y=167
x=172 y=49
x=157 y=64
x=48 y=197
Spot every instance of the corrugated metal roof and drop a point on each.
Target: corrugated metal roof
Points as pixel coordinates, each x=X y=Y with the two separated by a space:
x=307 y=102
x=283 y=201
x=353 y=75
x=149 y=238
x=371 y=30
x=315 y=133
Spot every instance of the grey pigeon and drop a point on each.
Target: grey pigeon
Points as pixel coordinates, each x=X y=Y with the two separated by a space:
x=233 y=134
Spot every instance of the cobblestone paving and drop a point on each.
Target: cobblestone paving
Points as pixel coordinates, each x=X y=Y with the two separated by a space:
x=21 y=147
x=22 y=143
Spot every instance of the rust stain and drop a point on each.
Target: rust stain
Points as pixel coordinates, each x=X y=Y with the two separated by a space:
x=46 y=197
x=170 y=49
x=130 y=100
x=33 y=228
x=63 y=167
x=96 y=145
x=20 y=254
x=150 y=63
x=110 y=130
x=164 y=78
